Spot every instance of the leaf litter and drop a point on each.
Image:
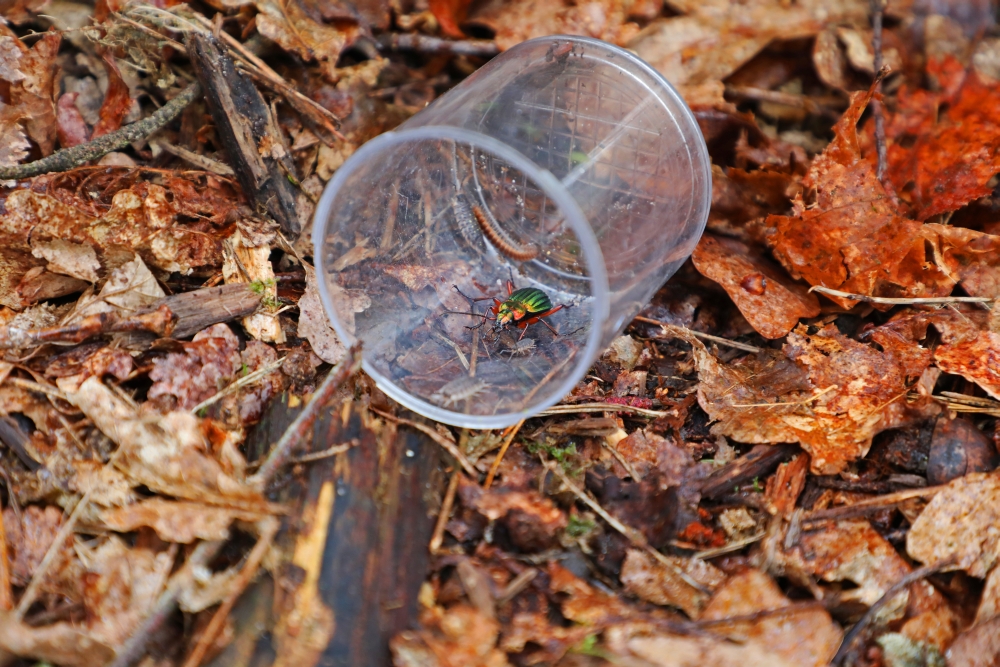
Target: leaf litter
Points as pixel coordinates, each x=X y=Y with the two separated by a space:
x=745 y=501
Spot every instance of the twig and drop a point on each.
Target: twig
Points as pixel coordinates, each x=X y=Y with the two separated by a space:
x=849 y=639
x=862 y=507
x=777 y=97
x=200 y=161
x=268 y=529
x=427 y=44
x=878 y=8
x=336 y=450
x=900 y=301
x=40 y=388
x=729 y=548
x=236 y=386
x=633 y=535
x=448 y=445
x=715 y=339
x=437 y=538
x=68 y=158
x=6 y=595
x=298 y=429
x=503 y=450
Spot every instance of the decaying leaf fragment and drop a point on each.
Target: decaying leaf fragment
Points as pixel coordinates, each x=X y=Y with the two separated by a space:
x=167 y=453
x=827 y=392
x=209 y=362
x=772 y=303
x=655 y=582
x=246 y=259
x=850 y=236
x=960 y=522
x=803 y=637
x=176 y=521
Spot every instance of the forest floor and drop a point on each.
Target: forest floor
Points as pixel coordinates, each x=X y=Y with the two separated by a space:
x=788 y=458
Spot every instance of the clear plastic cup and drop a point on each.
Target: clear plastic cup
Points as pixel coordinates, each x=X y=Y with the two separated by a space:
x=565 y=164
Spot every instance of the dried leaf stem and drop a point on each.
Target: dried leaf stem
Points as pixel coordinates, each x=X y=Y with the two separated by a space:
x=68 y=158
x=899 y=301
x=715 y=339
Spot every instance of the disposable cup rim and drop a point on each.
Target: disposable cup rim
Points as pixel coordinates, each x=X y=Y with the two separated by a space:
x=593 y=260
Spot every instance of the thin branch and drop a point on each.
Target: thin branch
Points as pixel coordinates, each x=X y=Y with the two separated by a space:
x=901 y=301
x=867 y=506
x=437 y=538
x=426 y=44
x=715 y=339
x=851 y=637
x=297 y=431
x=503 y=450
x=68 y=158
x=878 y=9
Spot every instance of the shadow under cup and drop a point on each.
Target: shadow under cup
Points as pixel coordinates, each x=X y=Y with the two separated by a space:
x=565 y=165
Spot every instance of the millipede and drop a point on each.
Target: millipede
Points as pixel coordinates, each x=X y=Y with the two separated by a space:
x=501 y=241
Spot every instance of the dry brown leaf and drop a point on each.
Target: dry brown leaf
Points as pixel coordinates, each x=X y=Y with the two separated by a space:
x=121 y=586
x=129 y=288
x=247 y=260
x=14 y=145
x=850 y=236
x=517 y=21
x=829 y=393
x=989 y=603
x=455 y=637
x=33 y=96
x=533 y=521
x=960 y=522
x=696 y=51
x=772 y=303
x=287 y=23
x=29 y=539
x=209 y=362
x=314 y=325
x=58 y=643
x=72 y=128
x=978 y=646
x=167 y=453
x=173 y=521
x=804 y=637
x=133 y=222
x=117 y=101
x=651 y=580
x=976 y=360
x=660 y=650
x=72 y=259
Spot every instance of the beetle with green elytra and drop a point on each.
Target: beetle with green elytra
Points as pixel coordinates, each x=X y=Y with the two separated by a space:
x=521 y=308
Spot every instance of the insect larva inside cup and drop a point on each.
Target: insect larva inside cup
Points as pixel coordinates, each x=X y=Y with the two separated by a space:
x=501 y=241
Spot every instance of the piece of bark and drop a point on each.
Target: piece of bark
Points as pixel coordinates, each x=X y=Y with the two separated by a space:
x=248 y=132
x=374 y=537
x=204 y=307
x=758 y=462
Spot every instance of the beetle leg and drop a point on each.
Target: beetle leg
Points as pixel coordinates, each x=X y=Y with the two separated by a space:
x=554 y=332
